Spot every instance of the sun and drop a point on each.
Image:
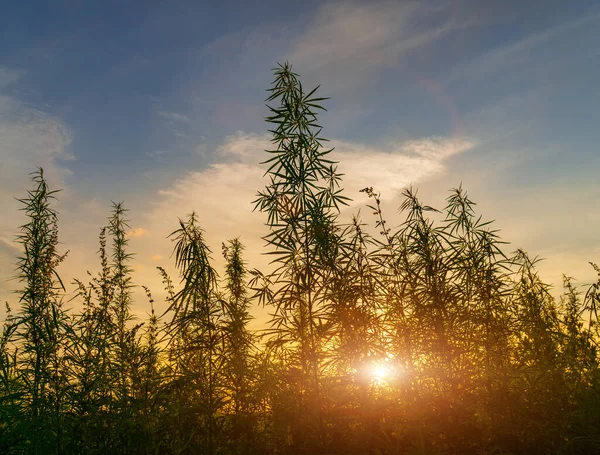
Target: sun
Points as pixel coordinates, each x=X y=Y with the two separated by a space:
x=380 y=372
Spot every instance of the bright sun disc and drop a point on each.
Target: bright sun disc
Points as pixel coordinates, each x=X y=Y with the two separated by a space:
x=380 y=372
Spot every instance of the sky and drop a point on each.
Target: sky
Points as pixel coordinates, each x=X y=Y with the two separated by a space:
x=161 y=105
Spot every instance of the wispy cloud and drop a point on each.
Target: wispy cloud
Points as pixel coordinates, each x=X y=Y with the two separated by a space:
x=222 y=194
x=159 y=156
x=8 y=76
x=175 y=117
x=29 y=138
x=351 y=42
x=157 y=153
x=526 y=54
x=393 y=167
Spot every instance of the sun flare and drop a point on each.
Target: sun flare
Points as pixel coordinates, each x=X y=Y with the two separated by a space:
x=380 y=372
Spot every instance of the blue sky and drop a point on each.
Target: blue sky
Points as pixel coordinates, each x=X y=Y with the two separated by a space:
x=161 y=104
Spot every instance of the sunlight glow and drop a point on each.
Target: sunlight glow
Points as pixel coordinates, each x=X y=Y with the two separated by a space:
x=381 y=371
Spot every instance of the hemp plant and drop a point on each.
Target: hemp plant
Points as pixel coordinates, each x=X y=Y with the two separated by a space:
x=301 y=200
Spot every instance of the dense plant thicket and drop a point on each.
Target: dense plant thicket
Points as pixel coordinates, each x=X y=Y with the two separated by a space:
x=425 y=338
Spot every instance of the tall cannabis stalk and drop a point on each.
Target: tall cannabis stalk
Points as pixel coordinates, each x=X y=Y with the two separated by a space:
x=40 y=323
x=196 y=327
x=117 y=228
x=91 y=353
x=238 y=348
x=302 y=201
x=124 y=351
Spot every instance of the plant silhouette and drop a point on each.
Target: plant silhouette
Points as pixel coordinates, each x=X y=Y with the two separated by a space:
x=428 y=337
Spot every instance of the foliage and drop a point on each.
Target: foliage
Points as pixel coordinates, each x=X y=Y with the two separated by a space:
x=424 y=338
